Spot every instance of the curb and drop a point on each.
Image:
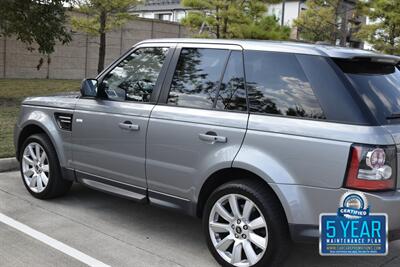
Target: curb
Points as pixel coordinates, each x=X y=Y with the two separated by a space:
x=8 y=164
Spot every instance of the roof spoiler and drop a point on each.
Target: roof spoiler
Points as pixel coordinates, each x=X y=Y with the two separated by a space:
x=384 y=59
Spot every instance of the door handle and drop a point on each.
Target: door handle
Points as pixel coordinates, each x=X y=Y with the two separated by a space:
x=213 y=138
x=127 y=125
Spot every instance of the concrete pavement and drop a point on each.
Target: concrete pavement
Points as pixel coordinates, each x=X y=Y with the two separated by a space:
x=119 y=232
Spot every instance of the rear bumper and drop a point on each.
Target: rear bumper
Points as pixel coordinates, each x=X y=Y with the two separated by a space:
x=304 y=204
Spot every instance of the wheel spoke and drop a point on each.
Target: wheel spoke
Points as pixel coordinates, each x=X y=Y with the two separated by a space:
x=223 y=212
x=257 y=223
x=42 y=157
x=39 y=184
x=37 y=149
x=219 y=227
x=257 y=240
x=28 y=160
x=234 y=206
x=33 y=181
x=45 y=168
x=29 y=172
x=248 y=207
x=236 y=253
x=32 y=154
x=249 y=251
x=225 y=243
x=44 y=178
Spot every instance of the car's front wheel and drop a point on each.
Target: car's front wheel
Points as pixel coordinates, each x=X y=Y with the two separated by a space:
x=244 y=225
x=40 y=168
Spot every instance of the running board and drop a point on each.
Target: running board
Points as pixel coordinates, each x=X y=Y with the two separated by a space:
x=116 y=188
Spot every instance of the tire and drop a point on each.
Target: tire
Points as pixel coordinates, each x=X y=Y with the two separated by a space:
x=55 y=185
x=275 y=238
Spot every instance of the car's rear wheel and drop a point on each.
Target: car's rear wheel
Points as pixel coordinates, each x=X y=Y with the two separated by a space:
x=40 y=168
x=244 y=225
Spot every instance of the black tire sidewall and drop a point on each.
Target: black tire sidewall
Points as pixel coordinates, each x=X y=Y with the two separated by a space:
x=54 y=169
x=274 y=224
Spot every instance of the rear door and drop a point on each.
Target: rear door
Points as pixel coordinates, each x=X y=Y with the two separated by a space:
x=199 y=123
x=109 y=132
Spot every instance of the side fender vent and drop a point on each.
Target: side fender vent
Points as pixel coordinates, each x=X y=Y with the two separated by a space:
x=64 y=120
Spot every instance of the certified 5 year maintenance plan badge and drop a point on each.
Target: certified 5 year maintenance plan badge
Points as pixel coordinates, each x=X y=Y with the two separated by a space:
x=353 y=230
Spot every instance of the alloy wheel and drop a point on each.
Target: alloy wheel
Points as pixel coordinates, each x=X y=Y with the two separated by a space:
x=238 y=230
x=35 y=167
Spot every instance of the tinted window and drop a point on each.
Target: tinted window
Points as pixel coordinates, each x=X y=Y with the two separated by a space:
x=378 y=85
x=277 y=84
x=232 y=92
x=196 y=78
x=134 y=78
x=331 y=90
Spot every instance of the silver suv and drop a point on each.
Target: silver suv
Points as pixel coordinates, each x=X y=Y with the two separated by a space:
x=256 y=138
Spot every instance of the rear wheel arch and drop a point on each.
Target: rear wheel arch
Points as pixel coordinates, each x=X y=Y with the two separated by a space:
x=224 y=176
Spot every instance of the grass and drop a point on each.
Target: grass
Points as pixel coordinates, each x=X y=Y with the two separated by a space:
x=12 y=92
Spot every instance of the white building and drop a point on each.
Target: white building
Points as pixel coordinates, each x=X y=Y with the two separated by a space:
x=291 y=10
x=286 y=12
x=169 y=10
x=172 y=10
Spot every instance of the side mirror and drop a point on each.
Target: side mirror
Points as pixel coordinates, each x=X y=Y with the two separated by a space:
x=89 y=88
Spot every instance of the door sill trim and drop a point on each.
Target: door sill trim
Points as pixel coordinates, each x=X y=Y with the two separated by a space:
x=112 y=186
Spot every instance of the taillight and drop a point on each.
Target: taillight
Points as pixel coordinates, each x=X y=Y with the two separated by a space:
x=371 y=168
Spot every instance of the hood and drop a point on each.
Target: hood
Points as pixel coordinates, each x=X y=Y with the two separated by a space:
x=65 y=100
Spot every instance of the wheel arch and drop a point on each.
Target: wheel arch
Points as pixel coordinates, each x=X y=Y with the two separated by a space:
x=27 y=131
x=226 y=175
x=34 y=127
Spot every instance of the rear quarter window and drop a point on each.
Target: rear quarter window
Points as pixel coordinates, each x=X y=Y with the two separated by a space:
x=277 y=85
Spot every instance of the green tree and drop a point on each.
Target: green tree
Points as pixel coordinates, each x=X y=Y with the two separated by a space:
x=99 y=17
x=319 y=22
x=384 y=30
x=41 y=22
x=233 y=19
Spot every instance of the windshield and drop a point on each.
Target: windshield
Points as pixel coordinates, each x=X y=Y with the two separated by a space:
x=378 y=85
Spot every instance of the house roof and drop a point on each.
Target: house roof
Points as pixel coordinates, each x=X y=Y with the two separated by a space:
x=160 y=5
x=164 y=5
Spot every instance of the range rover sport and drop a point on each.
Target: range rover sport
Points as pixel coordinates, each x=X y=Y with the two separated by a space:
x=256 y=138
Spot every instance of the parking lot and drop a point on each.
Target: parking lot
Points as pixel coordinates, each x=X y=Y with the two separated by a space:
x=119 y=232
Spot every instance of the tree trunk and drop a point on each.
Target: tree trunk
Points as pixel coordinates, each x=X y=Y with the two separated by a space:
x=225 y=23
x=218 y=21
x=334 y=23
x=392 y=41
x=102 y=47
x=343 y=24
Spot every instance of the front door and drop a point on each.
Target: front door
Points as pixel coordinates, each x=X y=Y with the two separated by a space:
x=109 y=132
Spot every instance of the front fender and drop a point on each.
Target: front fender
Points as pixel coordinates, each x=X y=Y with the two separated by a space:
x=44 y=119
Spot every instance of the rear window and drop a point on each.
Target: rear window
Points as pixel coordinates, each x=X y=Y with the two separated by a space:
x=378 y=85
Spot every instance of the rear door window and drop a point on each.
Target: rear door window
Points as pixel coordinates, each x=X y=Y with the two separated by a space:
x=277 y=85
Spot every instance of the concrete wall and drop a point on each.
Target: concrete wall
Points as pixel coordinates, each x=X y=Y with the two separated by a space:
x=79 y=58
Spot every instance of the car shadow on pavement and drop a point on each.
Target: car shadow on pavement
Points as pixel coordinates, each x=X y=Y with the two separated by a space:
x=168 y=231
